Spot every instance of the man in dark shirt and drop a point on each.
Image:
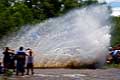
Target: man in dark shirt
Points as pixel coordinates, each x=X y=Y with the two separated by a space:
x=20 y=57
x=6 y=58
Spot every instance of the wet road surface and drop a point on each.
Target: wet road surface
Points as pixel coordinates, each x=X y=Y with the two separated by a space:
x=71 y=74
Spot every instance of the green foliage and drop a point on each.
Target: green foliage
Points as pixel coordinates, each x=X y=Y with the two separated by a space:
x=69 y=4
x=14 y=17
x=111 y=66
x=21 y=11
x=14 y=14
x=115 y=31
x=50 y=8
x=88 y=2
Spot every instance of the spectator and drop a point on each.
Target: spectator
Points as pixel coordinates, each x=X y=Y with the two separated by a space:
x=20 y=57
x=30 y=62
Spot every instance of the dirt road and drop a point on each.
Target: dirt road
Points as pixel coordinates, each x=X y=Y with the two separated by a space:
x=71 y=74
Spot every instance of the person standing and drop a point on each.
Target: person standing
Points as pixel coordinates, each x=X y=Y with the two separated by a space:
x=30 y=62
x=115 y=54
x=1 y=68
x=20 y=57
x=12 y=62
x=6 y=59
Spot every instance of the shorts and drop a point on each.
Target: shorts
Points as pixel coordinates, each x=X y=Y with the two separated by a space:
x=29 y=65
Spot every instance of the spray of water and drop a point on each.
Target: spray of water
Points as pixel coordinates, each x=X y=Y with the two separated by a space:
x=79 y=37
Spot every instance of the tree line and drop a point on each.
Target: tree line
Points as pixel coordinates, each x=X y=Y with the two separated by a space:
x=115 y=31
x=16 y=13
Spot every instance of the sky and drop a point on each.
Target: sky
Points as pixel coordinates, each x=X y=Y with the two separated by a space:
x=108 y=1
x=111 y=0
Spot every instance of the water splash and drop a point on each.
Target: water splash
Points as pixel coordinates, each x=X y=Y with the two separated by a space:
x=80 y=37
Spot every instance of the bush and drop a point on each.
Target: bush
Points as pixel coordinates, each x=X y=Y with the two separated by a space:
x=115 y=31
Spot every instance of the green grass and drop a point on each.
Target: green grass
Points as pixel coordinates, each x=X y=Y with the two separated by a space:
x=112 y=66
x=4 y=78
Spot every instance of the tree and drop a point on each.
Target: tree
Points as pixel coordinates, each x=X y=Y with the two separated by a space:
x=69 y=4
x=115 y=31
x=15 y=13
x=14 y=17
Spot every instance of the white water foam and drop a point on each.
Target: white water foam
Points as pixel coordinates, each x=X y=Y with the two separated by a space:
x=80 y=37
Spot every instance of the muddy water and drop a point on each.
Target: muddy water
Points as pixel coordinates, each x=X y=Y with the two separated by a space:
x=71 y=74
